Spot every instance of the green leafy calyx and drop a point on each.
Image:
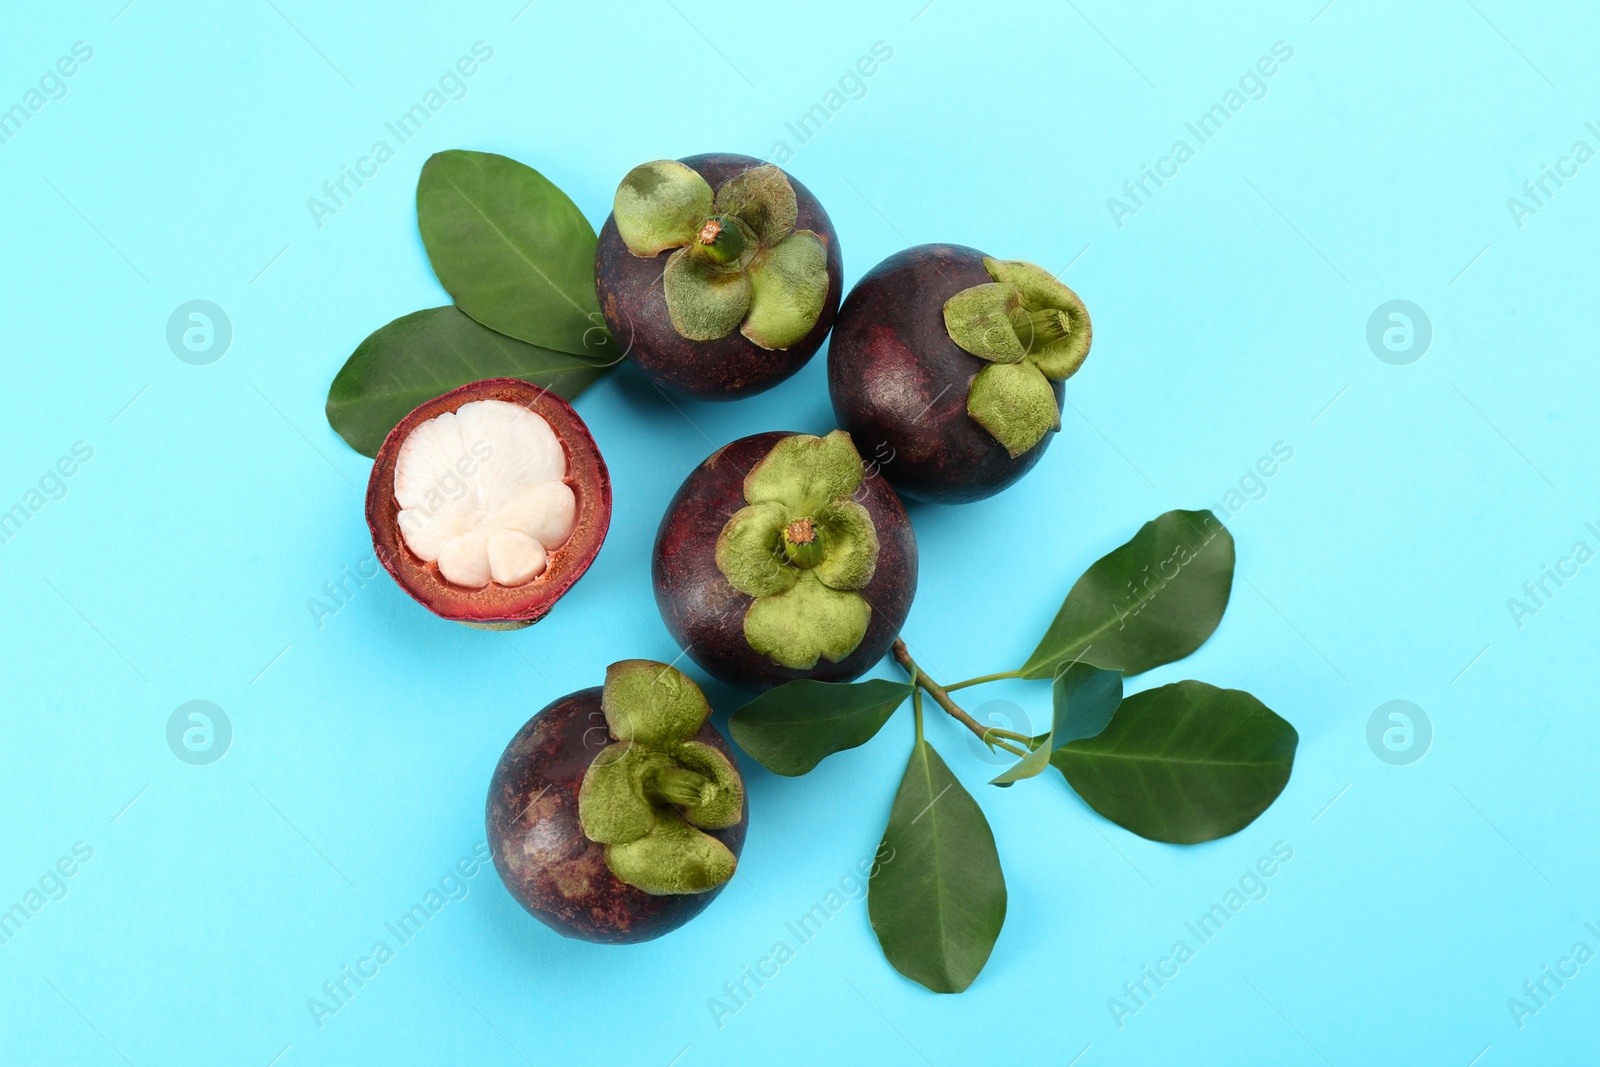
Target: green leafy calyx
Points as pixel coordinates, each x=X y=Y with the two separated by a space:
x=648 y=796
x=1032 y=331
x=740 y=263
x=803 y=547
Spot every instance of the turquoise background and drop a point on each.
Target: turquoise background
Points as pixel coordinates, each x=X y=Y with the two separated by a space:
x=1231 y=313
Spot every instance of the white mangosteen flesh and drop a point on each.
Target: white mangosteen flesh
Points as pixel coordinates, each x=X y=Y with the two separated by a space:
x=482 y=494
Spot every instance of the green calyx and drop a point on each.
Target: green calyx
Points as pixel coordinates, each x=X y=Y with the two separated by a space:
x=648 y=796
x=1032 y=331
x=740 y=263
x=803 y=547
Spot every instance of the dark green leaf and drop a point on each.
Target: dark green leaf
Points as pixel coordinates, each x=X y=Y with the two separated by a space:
x=427 y=353
x=512 y=250
x=939 y=898
x=1152 y=601
x=790 y=729
x=1183 y=763
x=1037 y=759
x=1085 y=698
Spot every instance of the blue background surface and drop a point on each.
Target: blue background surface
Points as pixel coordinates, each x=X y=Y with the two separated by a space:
x=1231 y=313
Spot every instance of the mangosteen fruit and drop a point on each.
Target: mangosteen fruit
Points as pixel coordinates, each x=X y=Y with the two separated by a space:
x=486 y=504
x=617 y=813
x=946 y=366
x=781 y=558
x=719 y=274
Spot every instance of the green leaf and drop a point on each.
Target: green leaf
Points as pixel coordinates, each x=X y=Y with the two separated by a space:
x=1085 y=698
x=1183 y=763
x=1037 y=759
x=512 y=250
x=1151 y=601
x=428 y=353
x=791 y=729
x=939 y=898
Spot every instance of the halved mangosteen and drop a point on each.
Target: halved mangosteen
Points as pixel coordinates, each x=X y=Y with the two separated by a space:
x=486 y=504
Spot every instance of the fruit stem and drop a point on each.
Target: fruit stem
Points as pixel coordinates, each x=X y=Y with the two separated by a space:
x=802 y=544
x=942 y=697
x=676 y=786
x=1036 y=329
x=721 y=240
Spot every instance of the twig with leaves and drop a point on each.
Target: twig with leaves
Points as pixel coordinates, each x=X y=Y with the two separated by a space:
x=1181 y=763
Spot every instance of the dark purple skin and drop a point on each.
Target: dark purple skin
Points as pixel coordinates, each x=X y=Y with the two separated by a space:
x=533 y=804
x=635 y=307
x=706 y=615
x=899 y=384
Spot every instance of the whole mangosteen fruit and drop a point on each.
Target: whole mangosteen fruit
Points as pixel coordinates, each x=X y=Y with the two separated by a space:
x=780 y=558
x=617 y=813
x=719 y=274
x=486 y=504
x=946 y=366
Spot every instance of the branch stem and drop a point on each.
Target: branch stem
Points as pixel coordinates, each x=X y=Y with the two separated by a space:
x=941 y=696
